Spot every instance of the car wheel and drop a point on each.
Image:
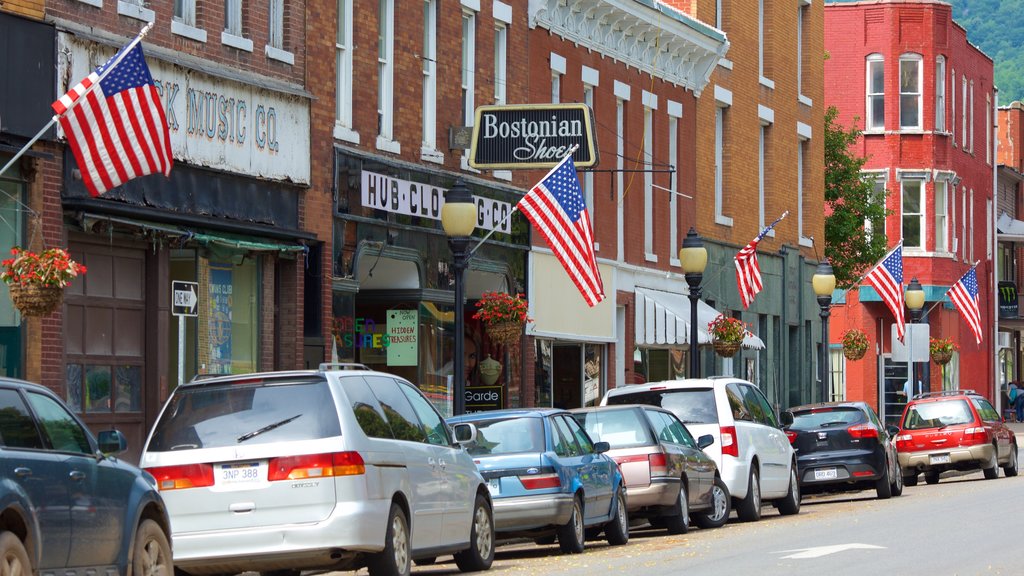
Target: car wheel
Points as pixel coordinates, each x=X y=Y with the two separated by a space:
x=679 y=521
x=151 y=554
x=570 y=536
x=749 y=508
x=13 y=557
x=617 y=531
x=720 y=509
x=480 y=553
x=393 y=560
x=791 y=503
x=897 y=483
x=910 y=480
x=1010 y=470
x=883 y=487
x=932 y=477
x=991 y=470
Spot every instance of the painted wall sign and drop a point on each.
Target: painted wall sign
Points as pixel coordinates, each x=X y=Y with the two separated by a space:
x=403 y=337
x=425 y=201
x=532 y=136
x=214 y=122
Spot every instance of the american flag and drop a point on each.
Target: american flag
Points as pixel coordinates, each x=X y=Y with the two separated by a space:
x=558 y=212
x=115 y=124
x=887 y=278
x=748 y=271
x=964 y=295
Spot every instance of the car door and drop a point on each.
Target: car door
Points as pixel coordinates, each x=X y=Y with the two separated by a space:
x=39 y=474
x=699 y=467
x=773 y=447
x=991 y=420
x=595 y=470
x=679 y=462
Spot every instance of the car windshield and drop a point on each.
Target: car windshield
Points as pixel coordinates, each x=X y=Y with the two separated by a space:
x=619 y=428
x=937 y=414
x=691 y=405
x=827 y=418
x=254 y=413
x=507 y=436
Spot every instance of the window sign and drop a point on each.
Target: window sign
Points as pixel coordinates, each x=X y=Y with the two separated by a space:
x=402 y=337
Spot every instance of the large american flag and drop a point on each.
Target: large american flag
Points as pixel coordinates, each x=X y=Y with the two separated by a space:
x=964 y=295
x=558 y=212
x=748 y=271
x=115 y=124
x=887 y=278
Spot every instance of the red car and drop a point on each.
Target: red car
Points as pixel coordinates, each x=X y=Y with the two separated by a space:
x=953 y=430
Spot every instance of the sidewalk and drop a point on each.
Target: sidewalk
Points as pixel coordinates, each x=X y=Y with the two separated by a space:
x=1018 y=429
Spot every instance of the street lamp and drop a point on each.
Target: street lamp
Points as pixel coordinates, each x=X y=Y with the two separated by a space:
x=458 y=218
x=694 y=258
x=824 y=282
x=914 y=299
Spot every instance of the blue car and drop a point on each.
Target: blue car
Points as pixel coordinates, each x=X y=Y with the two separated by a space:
x=546 y=476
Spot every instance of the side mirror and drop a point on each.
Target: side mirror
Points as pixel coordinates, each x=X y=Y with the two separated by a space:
x=786 y=417
x=112 y=442
x=892 y=430
x=602 y=447
x=705 y=441
x=464 y=433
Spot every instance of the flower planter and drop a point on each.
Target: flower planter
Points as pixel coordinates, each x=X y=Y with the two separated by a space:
x=941 y=357
x=726 y=349
x=505 y=333
x=854 y=353
x=36 y=299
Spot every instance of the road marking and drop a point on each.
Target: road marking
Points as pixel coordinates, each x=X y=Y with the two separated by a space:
x=819 y=551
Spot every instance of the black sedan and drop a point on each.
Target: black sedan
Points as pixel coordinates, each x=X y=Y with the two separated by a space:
x=843 y=446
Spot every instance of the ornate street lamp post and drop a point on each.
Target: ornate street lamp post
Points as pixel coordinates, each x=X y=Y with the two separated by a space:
x=824 y=282
x=458 y=218
x=694 y=258
x=914 y=299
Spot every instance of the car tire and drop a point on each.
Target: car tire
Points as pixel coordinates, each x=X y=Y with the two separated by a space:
x=13 y=556
x=897 y=483
x=991 y=471
x=1010 y=470
x=910 y=480
x=151 y=551
x=791 y=503
x=720 y=507
x=617 y=531
x=883 y=487
x=480 y=553
x=679 y=521
x=571 y=536
x=932 y=477
x=393 y=560
x=749 y=508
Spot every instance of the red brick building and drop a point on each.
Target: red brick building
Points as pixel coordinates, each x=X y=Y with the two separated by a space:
x=1010 y=236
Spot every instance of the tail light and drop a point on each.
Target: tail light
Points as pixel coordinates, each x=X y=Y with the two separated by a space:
x=791 y=435
x=181 y=477
x=903 y=442
x=316 y=466
x=540 y=481
x=658 y=463
x=729 y=444
x=976 y=435
x=863 y=431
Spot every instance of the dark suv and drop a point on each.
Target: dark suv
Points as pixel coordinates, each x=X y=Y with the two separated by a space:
x=953 y=430
x=67 y=506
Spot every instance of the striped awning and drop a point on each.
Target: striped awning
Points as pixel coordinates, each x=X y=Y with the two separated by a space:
x=663 y=318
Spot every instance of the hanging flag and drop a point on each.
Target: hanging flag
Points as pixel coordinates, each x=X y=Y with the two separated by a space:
x=748 y=271
x=887 y=278
x=558 y=212
x=964 y=295
x=114 y=123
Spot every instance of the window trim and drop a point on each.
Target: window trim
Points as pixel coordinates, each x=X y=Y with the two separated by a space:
x=872 y=124
x=917 y=61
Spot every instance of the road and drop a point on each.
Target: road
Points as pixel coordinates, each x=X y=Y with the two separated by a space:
x=963 y=526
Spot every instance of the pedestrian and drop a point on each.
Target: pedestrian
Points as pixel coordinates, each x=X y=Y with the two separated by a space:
x=1017 y=400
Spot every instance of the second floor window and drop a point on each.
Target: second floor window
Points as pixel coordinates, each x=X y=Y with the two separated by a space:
x=233 y=17
x=876 y=93
x=940 y=216
x=913 y=214
x=910 y=91
x=940 y=94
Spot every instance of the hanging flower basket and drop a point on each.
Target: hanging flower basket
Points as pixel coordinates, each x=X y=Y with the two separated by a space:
x=504 y=316
x=505 y=333
x=725 y=348
x=941 y=350
x=855 y=344
x=727 y=335
x=37 y=281
x=36 y=299
x=942 y=358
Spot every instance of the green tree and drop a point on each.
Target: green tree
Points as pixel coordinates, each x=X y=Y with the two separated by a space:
x=850 y=201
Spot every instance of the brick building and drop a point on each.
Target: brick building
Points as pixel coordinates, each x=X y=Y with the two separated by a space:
x=1010 y=237
x=906 y=74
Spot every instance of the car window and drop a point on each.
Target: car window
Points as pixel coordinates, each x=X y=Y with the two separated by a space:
x=369 y=415
x=839 y=416
x=59 y=426
x=661 y=426
x=229 y=413
x=739 y=408
x=584 y=441
x=620 y=428
x=437 y=432
x=508 y=436
x=985 y=409
x=937 y=414
x=17 y=429
x=760 y=409
x=691 y=405
x=679 y=431
x=404 y=423
x=565 y=445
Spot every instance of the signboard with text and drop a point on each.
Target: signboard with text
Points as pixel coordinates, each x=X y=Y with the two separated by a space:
x=532 y=136
x=403 y=335
x=184 y=298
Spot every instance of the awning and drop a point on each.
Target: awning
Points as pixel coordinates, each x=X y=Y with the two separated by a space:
x=663 y=318
x=1009 y=229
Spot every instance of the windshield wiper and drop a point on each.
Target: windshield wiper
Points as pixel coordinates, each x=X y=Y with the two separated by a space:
x=266 y=428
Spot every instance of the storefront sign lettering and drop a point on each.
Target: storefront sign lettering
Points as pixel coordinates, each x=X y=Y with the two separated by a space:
x=402 y=333
x=359 y=333
x=399 y=196
x=532 y=136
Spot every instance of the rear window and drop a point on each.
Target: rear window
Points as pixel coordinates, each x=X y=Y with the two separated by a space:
x=691 y=405
x=619 y=428
x=827 y=418
x=937 y=414
x=258 y=413
x=508 y=436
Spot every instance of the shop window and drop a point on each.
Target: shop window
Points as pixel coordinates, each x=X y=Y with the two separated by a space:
x=12 y=193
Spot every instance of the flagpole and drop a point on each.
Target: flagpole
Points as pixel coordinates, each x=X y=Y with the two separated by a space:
x=53 y=120
x=864 y=275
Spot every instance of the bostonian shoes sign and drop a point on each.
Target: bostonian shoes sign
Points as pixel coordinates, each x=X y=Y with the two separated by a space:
x=532 y=136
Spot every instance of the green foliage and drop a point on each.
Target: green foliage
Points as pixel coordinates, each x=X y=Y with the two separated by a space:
x=995 y=27
x=850 y=201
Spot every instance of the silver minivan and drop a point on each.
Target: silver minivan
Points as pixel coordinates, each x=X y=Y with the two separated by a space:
x=330 y=469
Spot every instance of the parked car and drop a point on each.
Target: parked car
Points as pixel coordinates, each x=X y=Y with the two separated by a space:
x=334 y=468
x=842 y=446
x=67 y=504
x=750 y=449
x=669 y=479
x=547 y=476
x=953 y=430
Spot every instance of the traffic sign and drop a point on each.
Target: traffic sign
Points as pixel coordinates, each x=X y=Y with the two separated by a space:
x=184 y=298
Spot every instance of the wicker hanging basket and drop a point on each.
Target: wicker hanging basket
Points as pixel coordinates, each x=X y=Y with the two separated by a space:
x=726 y=349
x=942 y=357
x=505 y=333
x=36 y=299
x=854 y=353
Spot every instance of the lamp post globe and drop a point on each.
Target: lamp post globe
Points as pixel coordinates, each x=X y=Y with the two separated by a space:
x=824 y=283
x=458 y=218
x=694 y=258
x=913 y=297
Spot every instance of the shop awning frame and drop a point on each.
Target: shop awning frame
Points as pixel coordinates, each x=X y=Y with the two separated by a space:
x=663 y=319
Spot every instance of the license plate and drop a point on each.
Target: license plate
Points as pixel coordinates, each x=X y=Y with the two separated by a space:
x=826 y=474
x=939 y=459
x=239 y=474
x=494 y=486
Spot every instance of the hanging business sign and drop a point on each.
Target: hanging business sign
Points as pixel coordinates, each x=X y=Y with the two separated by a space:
x=1007 y=299
x=532 y=136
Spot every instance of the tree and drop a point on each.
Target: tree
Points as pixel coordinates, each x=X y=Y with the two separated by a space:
x=850 y=202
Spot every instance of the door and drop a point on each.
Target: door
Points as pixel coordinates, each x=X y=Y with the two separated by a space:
x=595 y=470
x=772 y=446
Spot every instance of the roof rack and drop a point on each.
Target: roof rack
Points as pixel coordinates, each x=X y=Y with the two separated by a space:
x=940 y=393
x=199 y=377
x=325 y=366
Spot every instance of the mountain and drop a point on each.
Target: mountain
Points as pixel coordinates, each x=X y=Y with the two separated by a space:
x=997 y=27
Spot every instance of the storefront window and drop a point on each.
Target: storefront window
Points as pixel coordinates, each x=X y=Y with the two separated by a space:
x=11 y=194
x=542 y=374
x=657 y=364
